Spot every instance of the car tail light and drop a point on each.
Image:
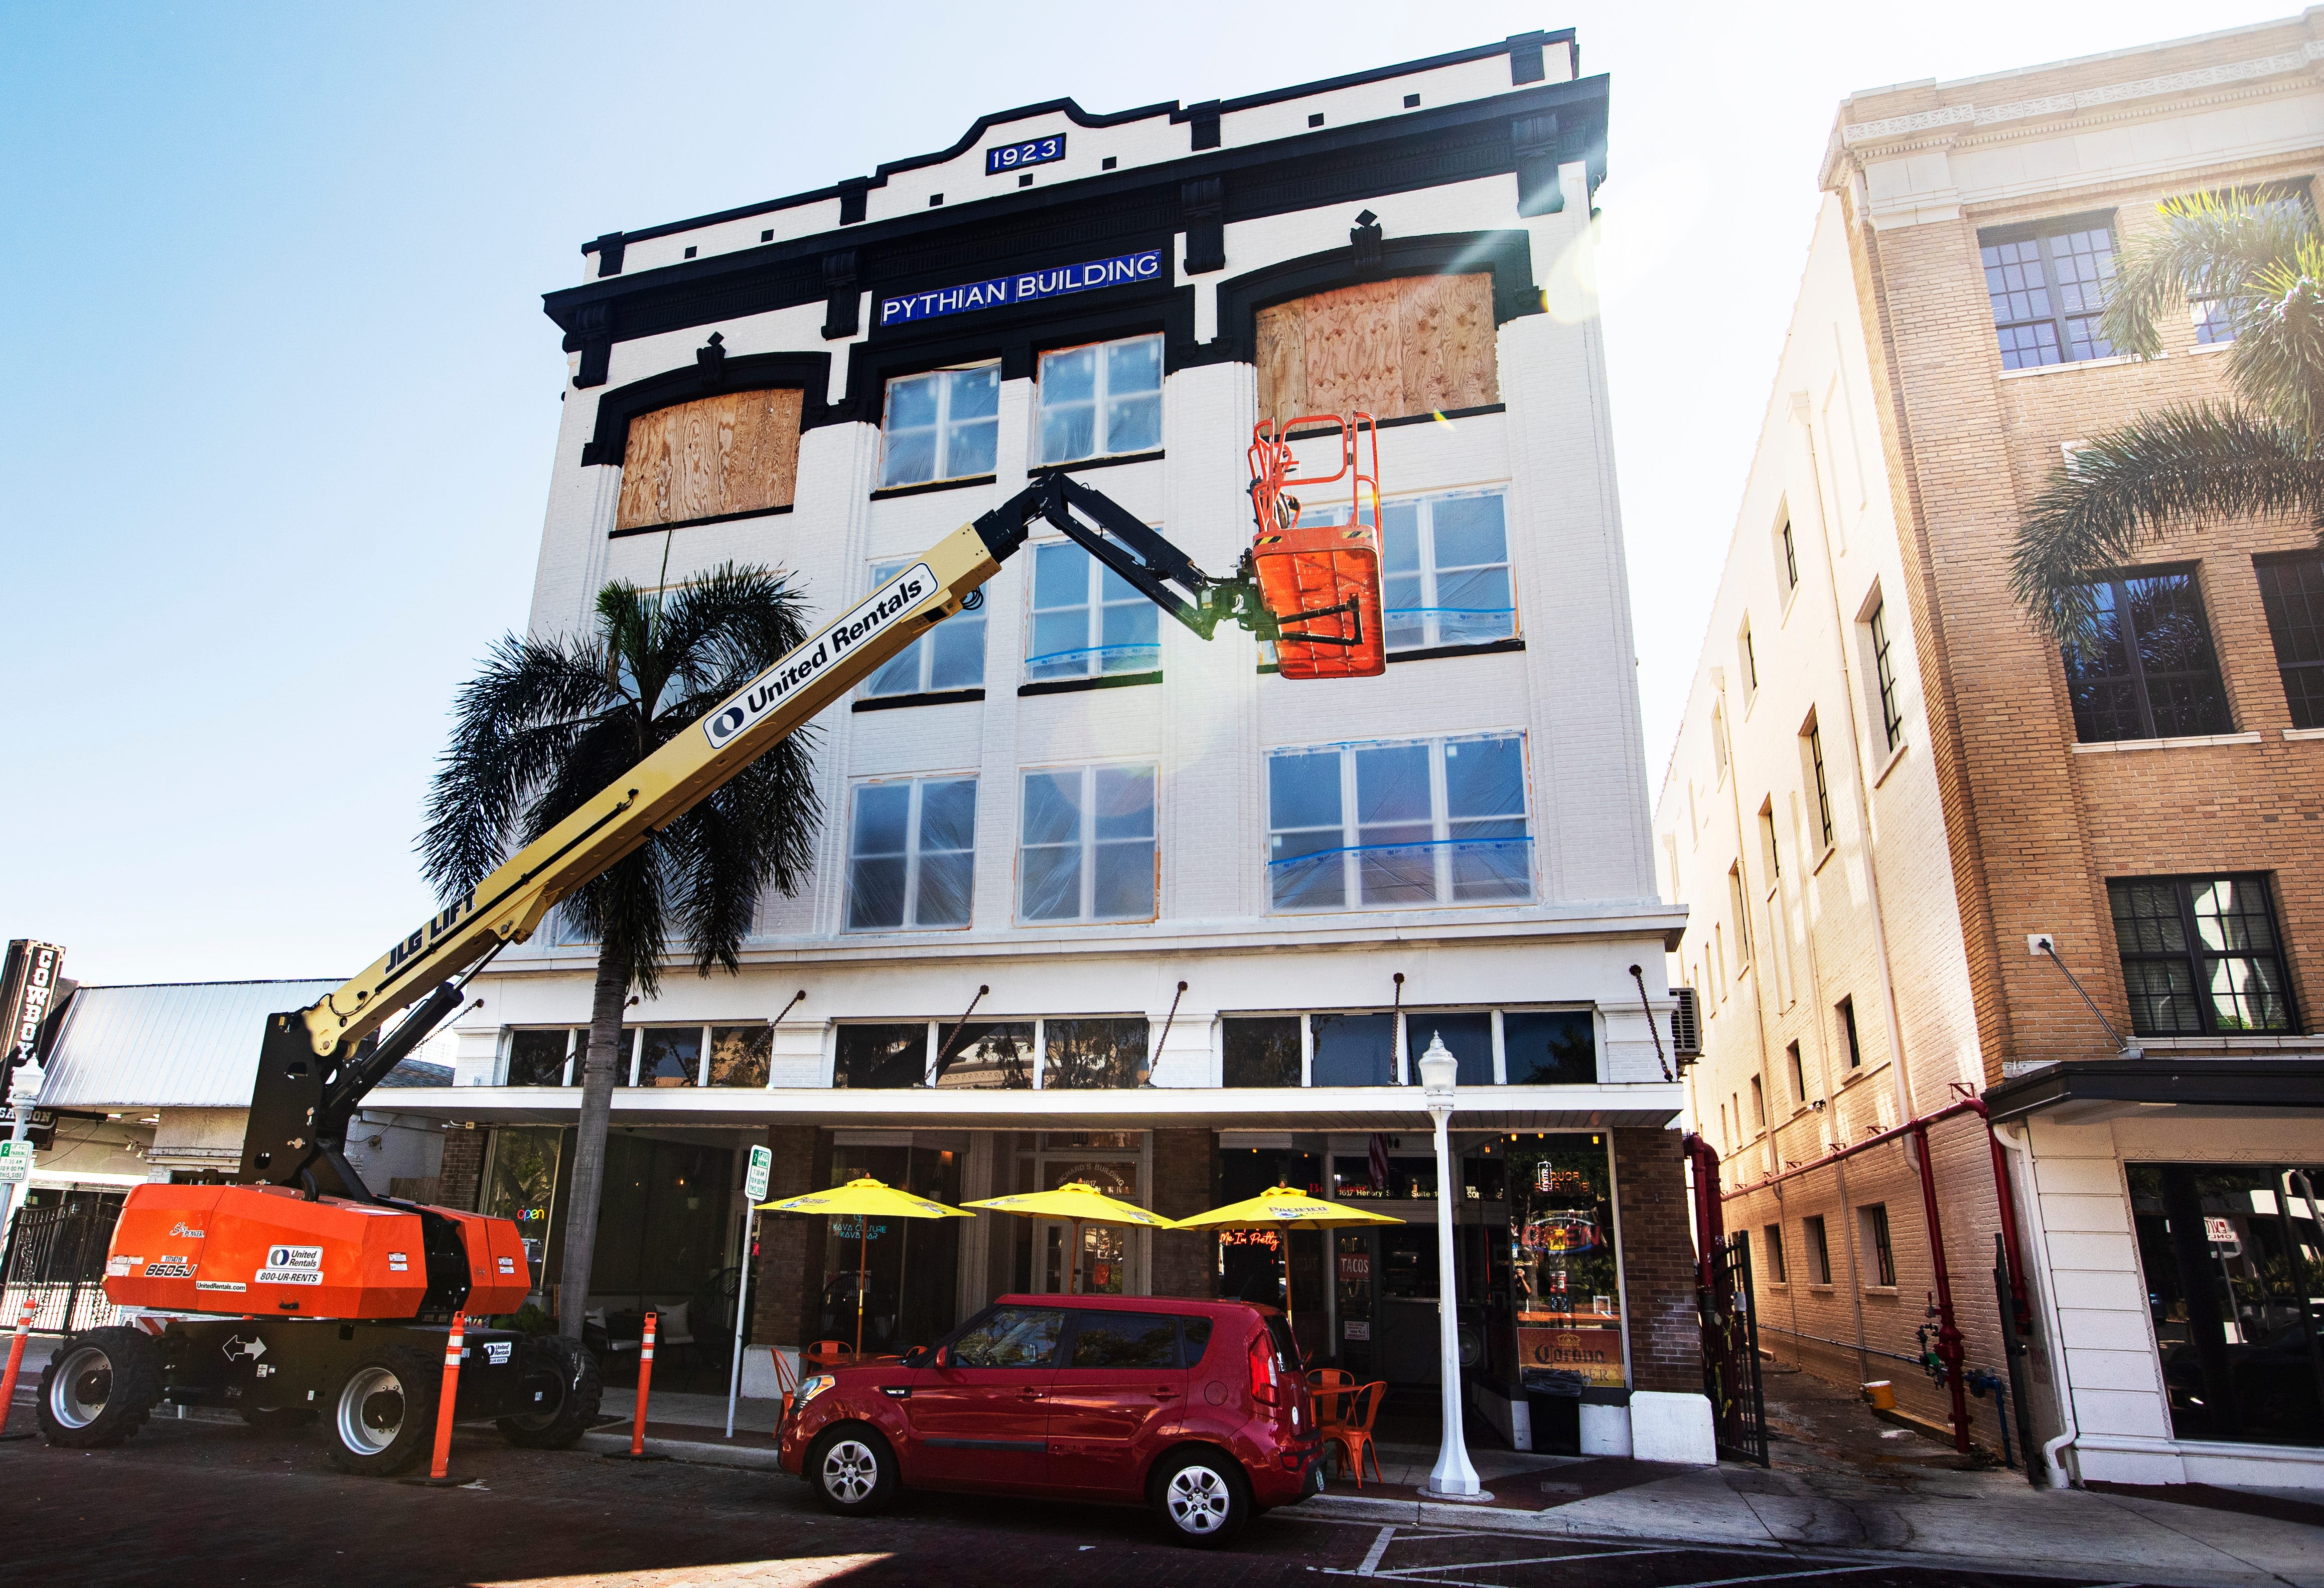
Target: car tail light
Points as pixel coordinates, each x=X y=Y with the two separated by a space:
x=1265 y=1387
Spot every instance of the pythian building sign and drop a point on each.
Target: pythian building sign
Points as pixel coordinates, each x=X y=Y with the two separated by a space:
x=1120 y=271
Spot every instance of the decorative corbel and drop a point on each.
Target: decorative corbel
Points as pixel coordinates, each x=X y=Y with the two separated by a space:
x=1202 y=210
x=1365 y=237
x=843 y=297
x=710 y=360
x=1533 y=140
x=592 y=337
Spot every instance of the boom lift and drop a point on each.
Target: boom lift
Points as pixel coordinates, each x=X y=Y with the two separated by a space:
x=300 y=1292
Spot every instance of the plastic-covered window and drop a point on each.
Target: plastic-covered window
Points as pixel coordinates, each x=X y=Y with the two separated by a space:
x=911 y=854
x=1386 y=826
x=1086 y=621
x=943 y=426
x=1101 y=400
x=1088 y=851
x=951 y=655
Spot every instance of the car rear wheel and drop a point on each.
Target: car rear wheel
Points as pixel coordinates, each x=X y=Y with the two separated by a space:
x=1203 y=1498
x=853 y=1469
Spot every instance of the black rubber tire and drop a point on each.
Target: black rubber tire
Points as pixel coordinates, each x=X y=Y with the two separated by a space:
x=99 y=1387
x=575 y=1412
x=1201 y=1497
x=380 y=1418
x=851 y=1470
x=278 y=1420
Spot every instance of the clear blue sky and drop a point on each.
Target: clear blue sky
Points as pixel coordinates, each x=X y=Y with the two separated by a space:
x=279 y=399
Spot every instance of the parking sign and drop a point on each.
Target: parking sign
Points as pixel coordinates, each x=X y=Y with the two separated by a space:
x=754 y=1182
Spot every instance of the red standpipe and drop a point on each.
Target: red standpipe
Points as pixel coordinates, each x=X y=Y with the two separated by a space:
x=1710 y=1217
x=1949 y=1334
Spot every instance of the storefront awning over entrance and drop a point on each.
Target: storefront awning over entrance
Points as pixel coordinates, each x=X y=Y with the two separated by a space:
x=2085 y=1092
x=1300 y=1108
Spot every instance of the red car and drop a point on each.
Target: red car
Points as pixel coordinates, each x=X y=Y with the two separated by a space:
x=1195 y=1408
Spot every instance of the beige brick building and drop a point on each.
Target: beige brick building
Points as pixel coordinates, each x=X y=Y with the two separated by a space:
x=1888 y=783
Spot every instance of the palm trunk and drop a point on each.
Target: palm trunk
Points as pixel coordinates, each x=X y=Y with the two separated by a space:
x=602 y=1064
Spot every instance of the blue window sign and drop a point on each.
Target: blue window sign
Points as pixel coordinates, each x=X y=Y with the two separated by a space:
x=1120 y=271
x=1009 y=157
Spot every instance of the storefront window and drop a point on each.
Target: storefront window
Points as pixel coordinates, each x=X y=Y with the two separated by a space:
x=1407 y=1179
x=1469 y=1038
x=989 y=1056
x=537 y=1058
x=670 y=1057
x=1260 y=1052
x=880 y=1056
x=1095 y=1054
x=1566 y=1303
x=907 y=1270
x=2233 y=1262
x=739 y=1054
x=522 y=1185
x=1354 y=1050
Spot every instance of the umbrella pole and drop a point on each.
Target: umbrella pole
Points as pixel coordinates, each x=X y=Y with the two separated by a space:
x=1073 y=1263
x=1290 y=1318
x=863 y=1273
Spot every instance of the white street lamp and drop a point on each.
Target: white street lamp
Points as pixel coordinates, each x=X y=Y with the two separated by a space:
x=1454 y=1478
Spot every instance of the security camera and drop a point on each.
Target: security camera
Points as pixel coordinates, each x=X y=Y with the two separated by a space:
x=1817 y=1106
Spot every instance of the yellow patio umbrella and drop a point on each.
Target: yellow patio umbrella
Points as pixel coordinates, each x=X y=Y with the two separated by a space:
x=1078 y=1203
x=866 y=1199
x=1283 y=1208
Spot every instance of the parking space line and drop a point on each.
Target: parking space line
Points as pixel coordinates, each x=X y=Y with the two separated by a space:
x=1781 y=1576
x=1530 y=1560
x=1379 y=1548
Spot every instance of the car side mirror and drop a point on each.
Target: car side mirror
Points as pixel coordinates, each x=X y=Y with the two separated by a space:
x=917 y=1356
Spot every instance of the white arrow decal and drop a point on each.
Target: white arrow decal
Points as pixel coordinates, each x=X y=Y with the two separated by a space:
x=237 y=1345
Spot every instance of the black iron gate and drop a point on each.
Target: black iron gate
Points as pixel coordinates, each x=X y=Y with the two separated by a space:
x=55 y=1260
x=1731 y=1352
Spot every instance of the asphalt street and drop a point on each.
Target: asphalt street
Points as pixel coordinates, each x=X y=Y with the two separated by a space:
x=204 y=1502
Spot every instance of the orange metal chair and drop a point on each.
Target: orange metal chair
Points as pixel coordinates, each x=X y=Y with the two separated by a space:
x=1352 y=1436
x=1324 y=1387
x=828 y=1353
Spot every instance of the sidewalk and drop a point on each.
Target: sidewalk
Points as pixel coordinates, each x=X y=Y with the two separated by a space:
x=1841 y=1483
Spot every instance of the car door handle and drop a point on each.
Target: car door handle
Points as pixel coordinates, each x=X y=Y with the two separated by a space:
x=1164 y=1392
x=1029 y=1394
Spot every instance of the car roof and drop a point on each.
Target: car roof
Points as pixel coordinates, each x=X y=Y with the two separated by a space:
x=1173 y=1304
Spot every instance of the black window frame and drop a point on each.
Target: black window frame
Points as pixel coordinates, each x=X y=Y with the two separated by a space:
x=2046 y=236
x=2298 y=644
x=2194 y=956
x=1791 y=559
x=1799 y=1070
x=1877 y=1237
x=1883 y=674
x=1815 y=1240
x=1846 y=1010
x=1773 y=1246
x=2082 y=682
x=1814 y=736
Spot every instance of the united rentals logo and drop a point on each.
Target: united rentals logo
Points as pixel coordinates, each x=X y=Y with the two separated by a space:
x=879 y=611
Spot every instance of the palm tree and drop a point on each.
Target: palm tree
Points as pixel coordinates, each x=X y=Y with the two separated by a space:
x=2255 y=259
x=548 y=723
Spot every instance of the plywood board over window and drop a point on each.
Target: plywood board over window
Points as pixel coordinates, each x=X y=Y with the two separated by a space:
x=735 y=453
x=1417 y=344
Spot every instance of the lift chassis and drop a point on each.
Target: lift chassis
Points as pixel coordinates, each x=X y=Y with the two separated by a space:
x=300 y=1295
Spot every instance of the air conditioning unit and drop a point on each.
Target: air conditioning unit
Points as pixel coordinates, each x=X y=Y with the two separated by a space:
x=1686 y=1027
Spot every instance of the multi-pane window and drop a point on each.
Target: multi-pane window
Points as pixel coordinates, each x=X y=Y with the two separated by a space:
x=951 y=655
x=1819 y=1250
x=911 y=853
x=1101 y=399
x=2292 y=589
x=1086 y=621
x=1874 y=1222
x=943 y=426
x=1884 y=672
x=1384 y=826
x=1444 y=569
x=1088 y=850
x=2048 y=290
x=2151 y=672
x=1493 y=1047
x=2214 y=320
x=1846 y=1011
x=1814 y=741
x=647 y=1056
x=2201 y=955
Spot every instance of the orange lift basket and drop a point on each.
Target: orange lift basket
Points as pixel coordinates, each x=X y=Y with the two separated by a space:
x=1321 y=582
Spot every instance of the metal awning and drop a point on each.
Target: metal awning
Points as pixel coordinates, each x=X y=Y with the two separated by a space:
x=2088 y=1091
x=169 y=1045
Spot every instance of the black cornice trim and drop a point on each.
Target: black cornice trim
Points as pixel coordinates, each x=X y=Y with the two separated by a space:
x=2194 y=1080
x=809 y=373
x=890 y=492
x=694 y=523
x=938 y=697
x=855 y=186
x=1118 y=211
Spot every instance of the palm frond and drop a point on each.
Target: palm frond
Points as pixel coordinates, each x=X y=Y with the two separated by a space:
x=2277 y=361
x=2211 y=246
x=2180 y=467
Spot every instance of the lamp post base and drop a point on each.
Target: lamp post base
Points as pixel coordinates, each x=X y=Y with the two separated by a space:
x=1429 y=1490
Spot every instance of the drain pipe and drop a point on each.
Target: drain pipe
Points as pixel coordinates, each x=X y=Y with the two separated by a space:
x=2052 y=1450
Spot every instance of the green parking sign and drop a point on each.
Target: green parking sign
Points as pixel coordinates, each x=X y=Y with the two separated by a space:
x=762 y=1165
x=15 y=1162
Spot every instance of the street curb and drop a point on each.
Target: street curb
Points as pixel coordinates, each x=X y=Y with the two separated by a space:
x=1475 y=1518
x=692 y=1451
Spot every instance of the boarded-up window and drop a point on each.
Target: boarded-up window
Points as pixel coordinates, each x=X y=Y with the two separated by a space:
x=1419 y=345
x=737 y=452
